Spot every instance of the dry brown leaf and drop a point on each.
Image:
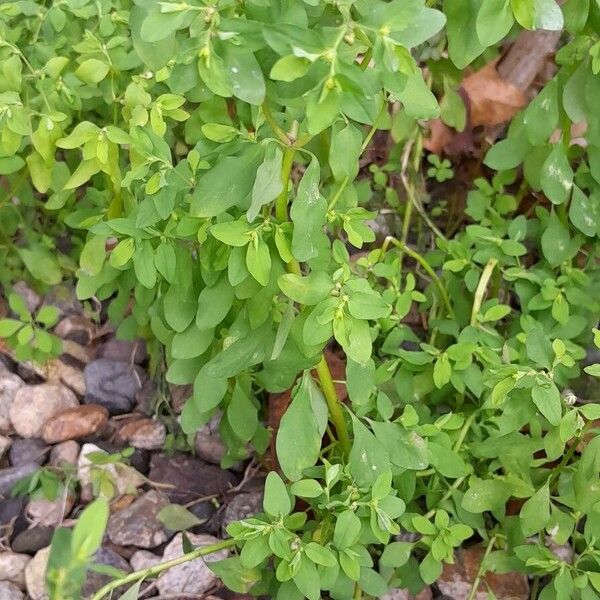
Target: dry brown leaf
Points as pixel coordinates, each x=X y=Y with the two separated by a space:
x=492 y=100
x=440 y=135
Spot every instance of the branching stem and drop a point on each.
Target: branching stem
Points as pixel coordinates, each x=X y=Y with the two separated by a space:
x=159 y=568
x=426 y=266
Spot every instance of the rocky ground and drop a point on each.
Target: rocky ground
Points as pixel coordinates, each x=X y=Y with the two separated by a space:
x=98 y=398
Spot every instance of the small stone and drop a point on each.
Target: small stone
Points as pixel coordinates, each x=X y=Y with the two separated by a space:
x=32 y=299
x=9 y=385
x=12 y=567
x=5 y=443
x=60 y=372
x=50 y=512
x=94 y=581
x=8 y=477
x=148 y=434
x=189 y=477
x=124 y=478
x=206 y=511
x=457 y=579
x=192 y=577
x=25 y=451
x=75 y=423
x=35 y=575
x=208 y=443
x=9 y=591
x=35 y=404
x=76 y=328
x=143 y=559
x=10 y=510
x=137 y=525
x=65 y=453
x=33 y=539
x=64 y=297
x=180 y=394
x=126 y=351
x=242 y=506
x=112 y=384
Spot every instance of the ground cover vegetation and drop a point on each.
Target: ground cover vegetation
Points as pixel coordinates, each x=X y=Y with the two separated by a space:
x=216 y=173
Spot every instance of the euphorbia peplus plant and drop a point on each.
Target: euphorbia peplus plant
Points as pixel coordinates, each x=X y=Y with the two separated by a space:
x=209 y=155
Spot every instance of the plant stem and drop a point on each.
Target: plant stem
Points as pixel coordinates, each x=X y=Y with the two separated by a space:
x=282 y=135
x=357 y=592
x=445 y=497
x=481 y=569
x=416 y=256
x=286 y=172
x=159 y=568
x=333 y=403
x=481 y=288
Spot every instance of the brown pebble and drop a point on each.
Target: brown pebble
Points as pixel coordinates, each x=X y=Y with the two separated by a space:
x=75 y=423
x=147 y=434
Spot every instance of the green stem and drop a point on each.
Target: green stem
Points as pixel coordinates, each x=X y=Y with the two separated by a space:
x=357 y=592
x=481 y=569
x=367 y=56
x=481 y=288
x=416 y=256
x=286 y=172
x=282 y=135
x=445 y=497
x=159 y=568
x=335 y=410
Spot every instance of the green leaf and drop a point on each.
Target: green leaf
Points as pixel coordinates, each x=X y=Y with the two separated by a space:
x=344 y=152
x=245 y=74
x=463 y=44
x=9 y=327
x=258 y=260
x=232 y=233
x=556 y=242
x=547 y=399
x=540 y=118
x=177 y=518
x=557 y=175
x=89 y=530
x=309 y=290
x=363 y=305
x=396 y=554
x=584 y=212
x=306 y=488
x=289 y=68
x=214 y=303
x=368 y=457
x=535 y=513
x=229 y=183
x=525 y=13
x=143 y=264
x=309 y=215
x=347 y=530
x=298 y=441
x=276 y=501
x=41 y=264
x=506 y=154
x=242 y=414
x=485 y=494
x=268 y=184
x=494 y=21
x=92 y=70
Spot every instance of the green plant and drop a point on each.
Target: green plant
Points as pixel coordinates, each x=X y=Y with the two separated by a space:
x=441 y=170
x=209 y=162
x=28 y=334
